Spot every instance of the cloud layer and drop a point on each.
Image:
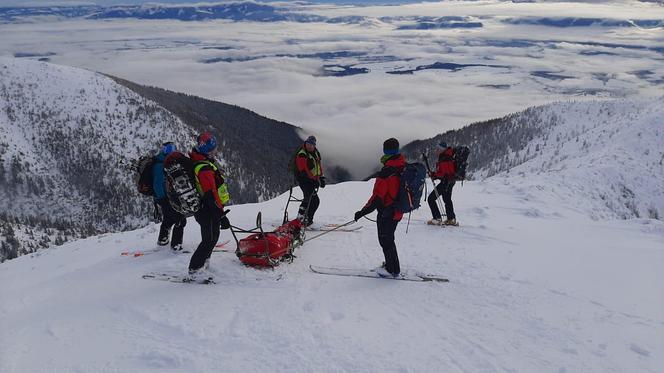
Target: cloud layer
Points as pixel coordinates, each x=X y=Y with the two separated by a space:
x=337 y=79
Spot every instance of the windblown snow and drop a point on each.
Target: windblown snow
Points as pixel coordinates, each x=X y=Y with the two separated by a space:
x=536 y=285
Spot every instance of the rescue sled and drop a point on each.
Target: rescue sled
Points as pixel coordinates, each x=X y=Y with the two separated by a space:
x=268 y=249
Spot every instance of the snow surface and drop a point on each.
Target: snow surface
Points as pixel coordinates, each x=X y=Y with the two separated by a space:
x=536 y=286
x=607 y=155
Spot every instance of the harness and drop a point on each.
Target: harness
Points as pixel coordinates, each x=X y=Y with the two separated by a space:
x=222 y=189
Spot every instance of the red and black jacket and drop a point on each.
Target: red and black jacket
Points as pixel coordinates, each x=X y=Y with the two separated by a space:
x=307 y=162
x=386 y=186
x=209 y=179
x=445 y=169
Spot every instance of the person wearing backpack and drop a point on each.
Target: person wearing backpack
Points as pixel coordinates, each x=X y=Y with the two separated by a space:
x=385 y=192
x=309 y=176
x=445 y=172
x=211 y=186
x=171 y=218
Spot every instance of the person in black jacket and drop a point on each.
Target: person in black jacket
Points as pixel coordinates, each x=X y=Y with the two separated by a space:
x=171 y=218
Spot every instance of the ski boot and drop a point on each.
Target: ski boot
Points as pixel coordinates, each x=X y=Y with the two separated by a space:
x=200 y=275
x=382 y=272
x=164 y=237
x=435 y=222
x=452 y=222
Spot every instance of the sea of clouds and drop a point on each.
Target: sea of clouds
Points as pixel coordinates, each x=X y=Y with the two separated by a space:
x=355 y=83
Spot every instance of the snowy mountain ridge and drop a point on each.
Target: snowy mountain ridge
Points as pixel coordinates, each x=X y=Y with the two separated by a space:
x=67 y=136
x=611 y=152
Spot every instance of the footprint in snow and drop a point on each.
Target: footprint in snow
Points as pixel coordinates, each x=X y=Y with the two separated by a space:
x=639 y=350
x=336 y=316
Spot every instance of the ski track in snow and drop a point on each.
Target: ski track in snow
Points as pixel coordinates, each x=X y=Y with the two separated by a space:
x=535 y=286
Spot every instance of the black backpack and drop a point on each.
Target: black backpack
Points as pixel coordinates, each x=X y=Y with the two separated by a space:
x=143 y=178
x=181 y=184
x=411 y=186
x=292 y=168
x=460 y=161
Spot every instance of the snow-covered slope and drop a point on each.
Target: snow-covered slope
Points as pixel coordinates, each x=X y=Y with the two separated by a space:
x=535 y=286
x=66 y=136
x=610 y=154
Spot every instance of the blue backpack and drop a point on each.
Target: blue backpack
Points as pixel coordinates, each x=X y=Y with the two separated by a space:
x=411 y=187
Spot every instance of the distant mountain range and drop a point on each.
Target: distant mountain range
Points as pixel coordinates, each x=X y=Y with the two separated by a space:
x=299 y=12
x=67 y=136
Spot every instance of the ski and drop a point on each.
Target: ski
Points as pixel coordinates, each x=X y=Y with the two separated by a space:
x=442 y=225
x=137 y=253
x=223 y=251
x=221 y=248
x=178 y=277
x=406 y=276
x=222 y=244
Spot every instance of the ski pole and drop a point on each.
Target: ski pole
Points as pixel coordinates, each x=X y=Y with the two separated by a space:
x=435 y=188
x=331 y=230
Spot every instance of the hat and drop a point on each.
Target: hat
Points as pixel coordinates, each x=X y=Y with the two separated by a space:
x=168 y=148
x=442 y=145
x=311 y=140
x=206 y=143
x=391 y=146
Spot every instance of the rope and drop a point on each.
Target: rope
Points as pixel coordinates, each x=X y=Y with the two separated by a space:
x=331 y=230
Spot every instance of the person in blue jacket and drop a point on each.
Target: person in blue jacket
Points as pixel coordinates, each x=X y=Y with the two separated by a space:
x=171 y=218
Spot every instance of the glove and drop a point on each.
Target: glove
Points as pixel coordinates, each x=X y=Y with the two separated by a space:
x=359 y=215
x=224 y=223
x=321 y=181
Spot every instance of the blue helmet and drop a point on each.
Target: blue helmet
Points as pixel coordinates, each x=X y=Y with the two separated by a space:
x=206 y=142
x=168 y=148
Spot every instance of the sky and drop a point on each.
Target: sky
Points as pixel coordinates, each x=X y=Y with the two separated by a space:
x=271 y=67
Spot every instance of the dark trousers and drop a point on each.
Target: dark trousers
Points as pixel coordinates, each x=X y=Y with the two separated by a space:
x=444 y=189
x=171 y=218
x=209 y=220
x=310 y=201
x=386 y=226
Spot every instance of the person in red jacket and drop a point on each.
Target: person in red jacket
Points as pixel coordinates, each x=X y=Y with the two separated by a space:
x=385 y=190
x=309 y=176
x=211 y=185
x=445 y=172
